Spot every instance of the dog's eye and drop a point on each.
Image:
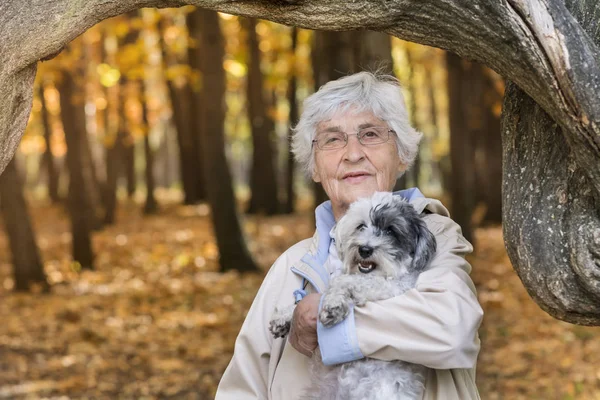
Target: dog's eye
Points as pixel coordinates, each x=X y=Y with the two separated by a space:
x=361 y=227
x=389 y=231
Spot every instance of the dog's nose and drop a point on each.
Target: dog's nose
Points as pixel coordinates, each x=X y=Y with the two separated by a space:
x=365 y=251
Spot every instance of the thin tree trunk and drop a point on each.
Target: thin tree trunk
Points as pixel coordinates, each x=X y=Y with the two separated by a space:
x=28 y=268
x=48 y=157
x=489 y=153
x=263 y=182
x=79 y=203
x=113 y=161
x=195 y=59
x=412 y=175
x=181 y=108
x=232 y=247
x=151 y=206
x=129 y=155
x=290 y=202
x=463 y=100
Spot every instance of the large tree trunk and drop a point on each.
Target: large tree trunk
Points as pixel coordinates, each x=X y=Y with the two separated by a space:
x=263 y=182
x=549 y=48
x=27 y=264
x=230 y=239
x=550 y=213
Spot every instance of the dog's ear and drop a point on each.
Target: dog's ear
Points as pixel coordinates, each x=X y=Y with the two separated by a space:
x=425 y=247
x=338 y=240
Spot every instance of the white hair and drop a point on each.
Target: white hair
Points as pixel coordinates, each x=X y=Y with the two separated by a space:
x=363 y=91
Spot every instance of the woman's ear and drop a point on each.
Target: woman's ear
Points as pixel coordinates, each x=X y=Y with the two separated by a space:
x=315 y=176
x=402 y=168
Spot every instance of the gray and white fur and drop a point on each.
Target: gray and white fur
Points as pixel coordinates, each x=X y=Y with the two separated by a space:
x=384 y=245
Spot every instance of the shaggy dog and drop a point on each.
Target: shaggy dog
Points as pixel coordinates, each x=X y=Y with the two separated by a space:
x=384 y=245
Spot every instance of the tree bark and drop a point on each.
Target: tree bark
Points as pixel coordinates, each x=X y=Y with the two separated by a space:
x=28 y=268
x=549 y=48
x=551 y=217
x=230 y=239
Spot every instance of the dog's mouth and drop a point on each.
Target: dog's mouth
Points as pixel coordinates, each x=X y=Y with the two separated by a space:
x=366 y=266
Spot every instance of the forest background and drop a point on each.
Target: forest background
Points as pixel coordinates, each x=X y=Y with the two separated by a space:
x=140 y=216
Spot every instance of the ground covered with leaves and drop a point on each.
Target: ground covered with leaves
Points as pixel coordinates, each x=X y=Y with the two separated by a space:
x=156 y=320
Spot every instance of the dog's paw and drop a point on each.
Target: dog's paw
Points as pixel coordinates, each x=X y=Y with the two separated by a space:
x=334 y=310
x=279 y=327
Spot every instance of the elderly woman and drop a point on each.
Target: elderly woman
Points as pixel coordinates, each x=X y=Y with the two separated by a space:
x=355 y=139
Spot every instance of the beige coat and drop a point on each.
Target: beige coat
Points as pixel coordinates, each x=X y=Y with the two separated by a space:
x=434 y=324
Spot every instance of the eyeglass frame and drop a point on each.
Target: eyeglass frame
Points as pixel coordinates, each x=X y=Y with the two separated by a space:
x=347 y=136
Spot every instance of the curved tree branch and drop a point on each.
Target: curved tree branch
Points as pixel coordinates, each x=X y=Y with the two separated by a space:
x=550 y=53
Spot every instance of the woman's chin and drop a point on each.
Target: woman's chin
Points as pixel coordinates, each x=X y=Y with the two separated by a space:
x=355 y=192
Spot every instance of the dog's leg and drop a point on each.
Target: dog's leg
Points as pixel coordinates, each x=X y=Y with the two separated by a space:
x=280 y=324
x=373 y=288
x=352 y=289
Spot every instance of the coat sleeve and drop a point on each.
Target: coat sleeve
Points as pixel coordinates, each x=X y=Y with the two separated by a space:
x=246 y=376
x=435 y=324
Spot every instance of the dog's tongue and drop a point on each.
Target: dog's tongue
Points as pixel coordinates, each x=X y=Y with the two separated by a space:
x=366 y=266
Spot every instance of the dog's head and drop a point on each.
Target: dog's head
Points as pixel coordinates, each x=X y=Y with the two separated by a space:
x=383 y=235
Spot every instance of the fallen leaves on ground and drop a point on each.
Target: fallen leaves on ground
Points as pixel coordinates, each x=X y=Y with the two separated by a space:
x=156 y=320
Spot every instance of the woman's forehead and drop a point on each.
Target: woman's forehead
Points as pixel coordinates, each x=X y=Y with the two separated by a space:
x=349 y=118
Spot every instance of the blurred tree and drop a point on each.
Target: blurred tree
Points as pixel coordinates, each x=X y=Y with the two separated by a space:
x=27 y=265
x=176 y=69
x=130 y=59
x=465 y=91
x=263 y=183
x=80 y=206
x=290 y=197
x=194 y=57
x=488 y=154
x=230 y=240
x=113 y=134
x=48 y=157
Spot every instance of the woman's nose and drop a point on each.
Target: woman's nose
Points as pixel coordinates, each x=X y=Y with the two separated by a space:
x=354 y=149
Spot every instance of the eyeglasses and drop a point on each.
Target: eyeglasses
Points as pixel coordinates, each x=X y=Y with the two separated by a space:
x=367 y=137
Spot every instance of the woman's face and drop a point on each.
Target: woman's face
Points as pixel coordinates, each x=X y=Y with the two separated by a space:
x=355 y=171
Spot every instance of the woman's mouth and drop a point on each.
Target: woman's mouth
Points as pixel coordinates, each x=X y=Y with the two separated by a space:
x=355 y=177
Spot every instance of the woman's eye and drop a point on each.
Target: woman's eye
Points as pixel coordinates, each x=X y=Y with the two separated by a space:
x=361 y=227
x=370 y=134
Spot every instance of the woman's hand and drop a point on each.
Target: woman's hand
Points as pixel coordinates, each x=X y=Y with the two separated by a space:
x=303 y=333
